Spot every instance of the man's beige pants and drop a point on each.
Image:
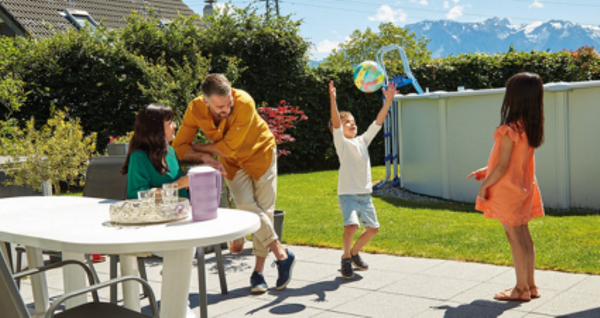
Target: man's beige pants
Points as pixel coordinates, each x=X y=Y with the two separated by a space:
x=258 y=196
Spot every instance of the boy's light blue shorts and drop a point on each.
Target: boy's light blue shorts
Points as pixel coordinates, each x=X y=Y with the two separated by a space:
x=358 y=207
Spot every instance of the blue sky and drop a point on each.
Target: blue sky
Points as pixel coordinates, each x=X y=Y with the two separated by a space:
x=326 y=23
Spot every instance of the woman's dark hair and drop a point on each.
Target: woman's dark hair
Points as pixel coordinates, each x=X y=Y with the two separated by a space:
x=523 y=106
x=149 y=136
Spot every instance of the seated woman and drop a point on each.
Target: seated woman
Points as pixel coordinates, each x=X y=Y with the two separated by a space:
x=151 y=161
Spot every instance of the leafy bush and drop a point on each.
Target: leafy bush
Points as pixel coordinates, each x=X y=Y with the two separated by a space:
x=59 y=151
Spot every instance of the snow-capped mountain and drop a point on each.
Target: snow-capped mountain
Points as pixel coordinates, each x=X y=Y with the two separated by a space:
x=495 y=35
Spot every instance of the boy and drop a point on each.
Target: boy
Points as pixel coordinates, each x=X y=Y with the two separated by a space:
x=354 y=183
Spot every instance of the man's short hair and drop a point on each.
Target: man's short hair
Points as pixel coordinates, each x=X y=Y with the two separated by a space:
x=215 y=84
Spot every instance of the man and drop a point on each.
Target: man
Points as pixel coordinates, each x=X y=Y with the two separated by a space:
x=247 y=151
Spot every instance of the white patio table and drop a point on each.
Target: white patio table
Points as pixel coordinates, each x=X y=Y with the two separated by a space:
x=76 y=225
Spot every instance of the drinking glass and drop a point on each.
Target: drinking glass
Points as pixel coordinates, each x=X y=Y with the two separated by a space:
x=171 y=193
x=146 y=197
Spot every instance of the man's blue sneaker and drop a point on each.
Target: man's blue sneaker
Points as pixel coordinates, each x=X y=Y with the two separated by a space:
x=284 y=267
x=257 y=283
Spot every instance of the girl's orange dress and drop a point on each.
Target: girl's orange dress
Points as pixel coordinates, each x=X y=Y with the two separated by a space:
x=515 y=199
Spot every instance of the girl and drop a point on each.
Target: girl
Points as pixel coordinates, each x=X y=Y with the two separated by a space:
x=150 y=161
x=510 y=192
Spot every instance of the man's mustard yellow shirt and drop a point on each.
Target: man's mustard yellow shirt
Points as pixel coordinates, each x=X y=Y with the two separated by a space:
x=244 y=137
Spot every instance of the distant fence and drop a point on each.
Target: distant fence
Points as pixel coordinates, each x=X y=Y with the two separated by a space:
x=443 y=136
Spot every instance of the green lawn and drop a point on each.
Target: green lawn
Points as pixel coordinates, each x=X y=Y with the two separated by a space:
x=565 y=241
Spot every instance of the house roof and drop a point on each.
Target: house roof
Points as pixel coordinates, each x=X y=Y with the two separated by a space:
x=41 y=18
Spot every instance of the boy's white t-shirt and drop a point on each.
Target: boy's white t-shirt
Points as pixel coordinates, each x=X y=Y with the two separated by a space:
x=355 y=164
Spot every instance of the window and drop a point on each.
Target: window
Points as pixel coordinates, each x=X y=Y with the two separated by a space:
x=80 y=19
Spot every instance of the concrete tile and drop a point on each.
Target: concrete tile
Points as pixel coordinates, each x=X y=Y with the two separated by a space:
x=306 y=271
x=335 y=314
x=429 y=287
x=374 y=279
x=484 y=294
x=265 y=309
x=387 y=305
x=466 y=270
x=571 y=304
x=478 y=308
x=407 y=265
x=545 y=280
x=322 y=295
x=589 y=285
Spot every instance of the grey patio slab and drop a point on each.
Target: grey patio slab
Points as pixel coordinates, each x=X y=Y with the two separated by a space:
x=265 y=309
x=478 y=308
x=544 y=279
x=589 y=285
x=483 y=294
x=387 y=305
x=571 y=304
x=373 y=279
x=429 y=287
x=335 y=314
x=309 y=254
x=327 y=294
x=466 y=270
x=408 y=265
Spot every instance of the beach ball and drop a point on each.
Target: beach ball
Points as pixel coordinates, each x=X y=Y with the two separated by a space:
x=368 y=76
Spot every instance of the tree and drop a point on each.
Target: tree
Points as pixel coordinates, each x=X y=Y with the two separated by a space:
x=272 y=54
x=363 y=46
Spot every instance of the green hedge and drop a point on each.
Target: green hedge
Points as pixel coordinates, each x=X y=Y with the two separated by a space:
x=105 y=77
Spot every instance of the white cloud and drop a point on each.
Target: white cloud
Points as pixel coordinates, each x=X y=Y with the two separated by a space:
x=421 y=2
x=326 y=46
x=536 y=4
x=455 y=1
x=455 y=12
x=386 y=14
x=446 y=5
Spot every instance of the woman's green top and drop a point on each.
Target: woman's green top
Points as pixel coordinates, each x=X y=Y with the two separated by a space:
x=141 y=174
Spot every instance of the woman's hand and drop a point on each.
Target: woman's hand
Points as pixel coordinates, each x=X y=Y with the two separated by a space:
x=478 y=174
x=183 y=182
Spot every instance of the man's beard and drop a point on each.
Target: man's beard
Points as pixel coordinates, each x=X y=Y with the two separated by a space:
x=219 y=115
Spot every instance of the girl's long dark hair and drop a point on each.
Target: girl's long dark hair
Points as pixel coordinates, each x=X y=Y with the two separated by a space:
x=149 y=136
x=523 y=106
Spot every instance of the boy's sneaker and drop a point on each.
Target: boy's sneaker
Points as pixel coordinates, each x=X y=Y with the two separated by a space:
x=284 y=267
x=359 y=263
x=347 y=271
x=257 y=283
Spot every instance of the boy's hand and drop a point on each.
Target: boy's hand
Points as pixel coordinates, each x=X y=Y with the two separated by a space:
x=390 y=92
x=332 y=94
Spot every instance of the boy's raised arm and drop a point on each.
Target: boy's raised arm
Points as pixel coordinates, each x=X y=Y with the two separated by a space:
x=335 y=114
x=389 y=98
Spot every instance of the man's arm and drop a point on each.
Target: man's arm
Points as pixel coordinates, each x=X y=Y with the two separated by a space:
x=208 y=148
x=206 y=158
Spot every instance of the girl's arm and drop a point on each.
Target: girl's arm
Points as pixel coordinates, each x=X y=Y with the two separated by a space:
x=506 y=146
x=389 y=97
x=335 y=114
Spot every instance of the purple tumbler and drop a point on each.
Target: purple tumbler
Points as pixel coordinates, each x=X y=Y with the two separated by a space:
x=205 y=192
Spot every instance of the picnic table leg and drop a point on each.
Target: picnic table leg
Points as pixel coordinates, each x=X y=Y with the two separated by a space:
x=131 y=290
x=177 y=272
x=38 y=282
x=74 y=279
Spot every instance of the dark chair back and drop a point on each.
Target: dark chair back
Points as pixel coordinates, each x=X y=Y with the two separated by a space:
x=11 y=302
x=103 y=179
